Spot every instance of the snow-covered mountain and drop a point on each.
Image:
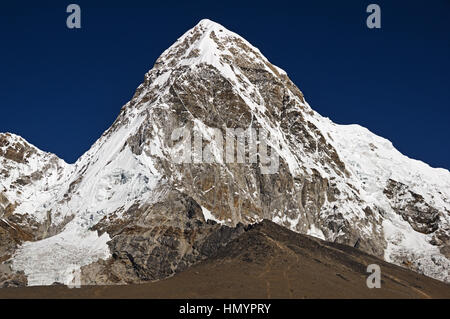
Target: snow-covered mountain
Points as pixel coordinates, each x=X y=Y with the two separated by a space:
x=128 y=210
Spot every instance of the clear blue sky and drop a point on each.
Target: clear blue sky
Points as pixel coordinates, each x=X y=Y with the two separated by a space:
x=60 y=88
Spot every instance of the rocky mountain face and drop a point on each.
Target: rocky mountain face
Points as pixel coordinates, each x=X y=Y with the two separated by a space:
x=136 y=208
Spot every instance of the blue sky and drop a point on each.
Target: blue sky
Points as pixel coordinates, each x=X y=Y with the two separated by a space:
x=61 y=89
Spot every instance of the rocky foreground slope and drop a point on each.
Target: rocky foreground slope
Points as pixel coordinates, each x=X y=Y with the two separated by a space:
x=129 y=210
x=267 y=261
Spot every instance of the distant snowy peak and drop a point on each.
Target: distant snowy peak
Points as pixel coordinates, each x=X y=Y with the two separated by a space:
x=27 y=172
x=15 y=151
x=341 y=183
x=15 y=148
x=373 y=158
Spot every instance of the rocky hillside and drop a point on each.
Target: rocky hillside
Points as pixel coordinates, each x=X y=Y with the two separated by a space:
x=134 y=207
x=266 y=260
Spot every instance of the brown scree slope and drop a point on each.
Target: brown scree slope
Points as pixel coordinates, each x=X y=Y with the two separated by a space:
x=267 y=261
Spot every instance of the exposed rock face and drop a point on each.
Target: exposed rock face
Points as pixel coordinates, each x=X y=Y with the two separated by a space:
x=156 y=241
x=11 y=279
x=143 y=211
x=412 y=207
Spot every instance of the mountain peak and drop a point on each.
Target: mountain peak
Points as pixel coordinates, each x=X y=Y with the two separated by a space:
x=340 y=183
x=209 y=25
x=211 y=43
x=14 y=147
x=11 y=137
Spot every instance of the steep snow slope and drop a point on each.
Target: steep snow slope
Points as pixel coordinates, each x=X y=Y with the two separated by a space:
x=106 y=179
x=29 y=178
x=337 y=182
x=375 y=164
